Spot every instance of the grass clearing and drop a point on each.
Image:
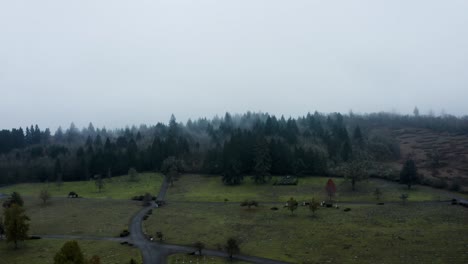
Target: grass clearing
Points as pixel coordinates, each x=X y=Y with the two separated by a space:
x=201 y=188
x=116 y=188
x=394 y=233
x=43 y=251
x=91 y=217
x=185 y=258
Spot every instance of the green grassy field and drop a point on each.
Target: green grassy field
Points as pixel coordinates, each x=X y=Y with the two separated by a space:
x=394 y=233
x=117 y=188
x=210 y=188
x=43 y=252
x=184 y=258
x=91 y=217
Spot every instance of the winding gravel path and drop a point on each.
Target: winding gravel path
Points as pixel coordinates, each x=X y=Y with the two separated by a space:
x=154 y=252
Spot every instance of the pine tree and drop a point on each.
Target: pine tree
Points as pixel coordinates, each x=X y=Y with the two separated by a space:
x=69 y=253
x=98 y=141
x=357 y=136
x=58 y=136
x=408 y=173
x=262 y=161
x=416 y=111
x=346 y=150
x=232 y=173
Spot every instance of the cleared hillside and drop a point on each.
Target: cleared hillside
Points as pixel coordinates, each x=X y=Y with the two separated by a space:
x=442 y=158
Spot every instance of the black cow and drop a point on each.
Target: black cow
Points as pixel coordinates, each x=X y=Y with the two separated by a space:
x=72 y=195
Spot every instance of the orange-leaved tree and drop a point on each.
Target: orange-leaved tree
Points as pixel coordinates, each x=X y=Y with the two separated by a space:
x=330 y=188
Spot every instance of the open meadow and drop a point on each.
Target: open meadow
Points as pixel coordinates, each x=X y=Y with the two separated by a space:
x=196 y=211
x=202 y=188
x=184 y=258
x=43 y=251
x=89 y=217
x=120 y=187
x=394 y=233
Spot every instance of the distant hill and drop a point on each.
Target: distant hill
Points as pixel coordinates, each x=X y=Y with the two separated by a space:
x=245 y=145
x=442 y=157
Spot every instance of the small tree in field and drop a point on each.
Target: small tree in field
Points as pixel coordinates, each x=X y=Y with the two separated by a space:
x=199 y=246
x=147 y=199
x=44 y=195
x=330 y=188
x=133 y=174
x=99 y=182
x=356 y=170
x=404 y=197
x=69 y=253
x=313 y=206
x=109 y=174
x=377 y=194
x=292 y=205
x=2 y=229
x=16 y=225
x=232 y=247
x=408 y=173
x=160 y=236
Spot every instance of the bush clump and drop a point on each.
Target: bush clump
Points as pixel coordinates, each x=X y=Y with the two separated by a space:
x=124 y=233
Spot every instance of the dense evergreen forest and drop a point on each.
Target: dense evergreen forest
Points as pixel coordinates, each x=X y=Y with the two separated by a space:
x=252 y=144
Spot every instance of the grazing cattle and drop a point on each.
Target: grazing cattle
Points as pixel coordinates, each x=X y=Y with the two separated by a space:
x=72 y=195
x=305 y=204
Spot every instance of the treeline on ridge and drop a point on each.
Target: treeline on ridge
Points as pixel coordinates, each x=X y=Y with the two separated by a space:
x=233 y=146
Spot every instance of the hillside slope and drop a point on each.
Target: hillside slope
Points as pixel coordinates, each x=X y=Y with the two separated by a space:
x=442 y=158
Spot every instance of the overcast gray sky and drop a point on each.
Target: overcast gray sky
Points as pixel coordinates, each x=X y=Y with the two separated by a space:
x=119 y=62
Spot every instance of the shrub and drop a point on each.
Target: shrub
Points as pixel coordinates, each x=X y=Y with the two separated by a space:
x=455 y=186
x=249 y=203
x=439 y=183
x=124 y=233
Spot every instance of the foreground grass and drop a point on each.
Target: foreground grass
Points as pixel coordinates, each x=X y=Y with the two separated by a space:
x=116 y=188
x=185 y=258
x=91 y=217
x=43 y=252
x=211 y=189
x=415 y=233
